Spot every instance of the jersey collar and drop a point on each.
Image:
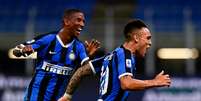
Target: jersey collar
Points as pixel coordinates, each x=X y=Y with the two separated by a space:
x=62 y=44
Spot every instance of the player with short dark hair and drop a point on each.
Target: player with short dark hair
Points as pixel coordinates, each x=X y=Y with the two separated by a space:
x=117 y=69
x=59 y=54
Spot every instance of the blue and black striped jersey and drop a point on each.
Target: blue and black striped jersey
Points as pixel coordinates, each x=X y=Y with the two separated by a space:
x=51 y=49
x=111 y=68
x=54 y=66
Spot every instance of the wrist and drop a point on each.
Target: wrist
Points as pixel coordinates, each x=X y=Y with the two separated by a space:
x=68 y=96
x=155 y=82
x=151 y=83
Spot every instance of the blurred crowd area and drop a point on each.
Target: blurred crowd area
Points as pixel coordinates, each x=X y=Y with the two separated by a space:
x=173 y=24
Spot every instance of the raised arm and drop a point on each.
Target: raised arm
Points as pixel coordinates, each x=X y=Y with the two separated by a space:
x=92 y=47
x=75 y=81
x=128 y=83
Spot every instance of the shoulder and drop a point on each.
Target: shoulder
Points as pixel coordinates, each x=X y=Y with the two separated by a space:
x=49 y=37
x=49 y=34
x=44 y=37
x=119 y=50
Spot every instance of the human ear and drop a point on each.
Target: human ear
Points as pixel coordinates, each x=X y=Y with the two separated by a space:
x=136 y=38
x=66 y=22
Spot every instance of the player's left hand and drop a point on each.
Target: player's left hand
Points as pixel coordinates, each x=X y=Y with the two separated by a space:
x=92 y=46
x=162 y=79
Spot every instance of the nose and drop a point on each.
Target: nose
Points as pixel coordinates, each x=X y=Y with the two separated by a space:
x=149 y=44
x=82 y=24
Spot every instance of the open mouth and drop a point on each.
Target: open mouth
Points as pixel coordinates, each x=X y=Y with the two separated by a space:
x=79 y=30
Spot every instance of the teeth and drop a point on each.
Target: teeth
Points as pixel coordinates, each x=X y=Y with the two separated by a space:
x=79 y=29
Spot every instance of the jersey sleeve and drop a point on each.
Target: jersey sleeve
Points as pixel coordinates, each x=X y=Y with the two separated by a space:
x=96 y=65
x=40 y=42
x=32 y=41
x=124 y=64
x=82 y=53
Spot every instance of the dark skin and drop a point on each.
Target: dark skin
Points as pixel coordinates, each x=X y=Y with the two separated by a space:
x=72 y=27
x=92 y=47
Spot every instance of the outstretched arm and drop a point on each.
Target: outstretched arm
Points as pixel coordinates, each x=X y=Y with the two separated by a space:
x=75 y=81
x=128 y=83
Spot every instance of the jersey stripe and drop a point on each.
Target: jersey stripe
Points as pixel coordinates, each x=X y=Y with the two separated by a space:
x=120 y=95
x=56 y=88
x=110 y=82
x=76 y=62
x=121 y=92
x=63 y=55
x=127 y=56
x=51 y=48
x=43 y=87
x=30 y=88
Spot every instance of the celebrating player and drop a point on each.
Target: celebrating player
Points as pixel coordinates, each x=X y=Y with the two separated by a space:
x=58 y=56
x=117 y=69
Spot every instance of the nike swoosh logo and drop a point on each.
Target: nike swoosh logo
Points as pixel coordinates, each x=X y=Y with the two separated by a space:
x=50 y=52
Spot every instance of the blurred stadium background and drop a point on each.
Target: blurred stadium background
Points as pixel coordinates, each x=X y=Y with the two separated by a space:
x=173 y=23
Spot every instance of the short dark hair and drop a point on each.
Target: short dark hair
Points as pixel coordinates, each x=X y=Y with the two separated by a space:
x=69 y=12
x=133 y=25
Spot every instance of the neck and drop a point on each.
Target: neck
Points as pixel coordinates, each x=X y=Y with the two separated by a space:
x=65 y=36
x=130 y=46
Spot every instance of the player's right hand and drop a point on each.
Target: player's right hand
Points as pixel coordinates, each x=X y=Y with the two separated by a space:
x=28 y=49
x=162 y=79
x=22 y=50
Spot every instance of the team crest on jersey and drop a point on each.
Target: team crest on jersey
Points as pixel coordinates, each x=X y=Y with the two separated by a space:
x=72 y=55
x=128 y=63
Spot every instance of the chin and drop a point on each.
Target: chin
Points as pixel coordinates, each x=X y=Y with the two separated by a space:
x=139 y=56
x=77 y=34
x=142 y=55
